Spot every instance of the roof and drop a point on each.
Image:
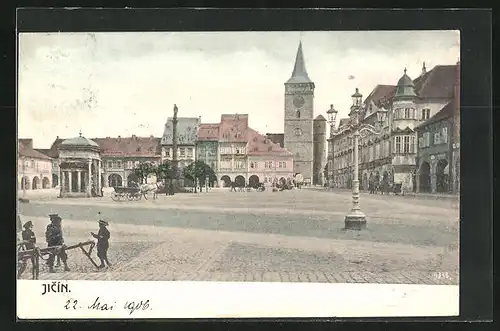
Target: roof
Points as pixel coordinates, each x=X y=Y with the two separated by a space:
x=79 y=141
x=26 y=142
x=320 y=118
x=277 y=138
x=186 y=130
x=120 y=146
x=259 y=144
x=405 y=87
x=30 y=152
x=379 y=96
x=233 y=128
x=299 y=74
x=130 y=146
x=208 y=132
x=344 y=121
x=445 y=113
x=437 y=83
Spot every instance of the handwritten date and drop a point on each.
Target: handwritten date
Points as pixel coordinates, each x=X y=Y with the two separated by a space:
x=102 y=305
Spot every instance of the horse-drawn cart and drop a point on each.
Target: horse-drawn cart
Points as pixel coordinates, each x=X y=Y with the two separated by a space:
x=126 y=193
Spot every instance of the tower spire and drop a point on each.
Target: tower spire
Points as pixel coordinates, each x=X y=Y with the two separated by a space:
x=299 y=74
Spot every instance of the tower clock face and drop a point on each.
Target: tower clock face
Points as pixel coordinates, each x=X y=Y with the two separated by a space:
x=298 y=131
x=298 y=101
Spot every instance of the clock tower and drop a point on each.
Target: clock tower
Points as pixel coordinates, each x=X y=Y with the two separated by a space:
x=298 y=130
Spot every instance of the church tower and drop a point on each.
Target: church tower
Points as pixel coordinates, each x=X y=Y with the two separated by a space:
x=299 y=109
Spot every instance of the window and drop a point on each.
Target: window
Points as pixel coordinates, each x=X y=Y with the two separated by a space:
x=110 y=164
x=425 y=114
x=437 y=138
x=282 y=164
x=406 y=144
x=182 y=152
x=239 y=164
x=238 y=150
x=189 y=152
x=298 y=113
x=167 y=152
x=421 y=142
x=427 y=139
x=268 y=164
x=444 y=135
x=407 y=113
x=397 y=145
x=118 y=164
x=413 y=148
x=252 y=165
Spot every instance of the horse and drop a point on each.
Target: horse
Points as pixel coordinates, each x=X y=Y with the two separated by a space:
x=146 y=188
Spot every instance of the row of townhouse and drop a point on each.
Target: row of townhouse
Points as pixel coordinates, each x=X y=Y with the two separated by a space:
x=417 y=143
x=236 y=152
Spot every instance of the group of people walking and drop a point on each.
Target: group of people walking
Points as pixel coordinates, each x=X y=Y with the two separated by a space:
x=54 y=238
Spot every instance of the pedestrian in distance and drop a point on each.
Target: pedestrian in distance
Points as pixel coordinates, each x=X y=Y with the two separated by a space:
x=54 y=237
x=102 y=237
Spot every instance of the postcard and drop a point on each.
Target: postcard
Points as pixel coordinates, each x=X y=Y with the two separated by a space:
x=238 y=174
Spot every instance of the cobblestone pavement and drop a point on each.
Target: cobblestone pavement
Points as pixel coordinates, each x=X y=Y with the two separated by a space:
x=251 y=236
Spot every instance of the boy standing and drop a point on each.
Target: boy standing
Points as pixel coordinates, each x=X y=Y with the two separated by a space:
x=102 y=243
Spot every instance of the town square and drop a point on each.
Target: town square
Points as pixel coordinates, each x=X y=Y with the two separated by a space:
x=260 y=236
x=200 y=158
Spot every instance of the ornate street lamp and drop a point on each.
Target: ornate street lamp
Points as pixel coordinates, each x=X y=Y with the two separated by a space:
x=332 y=116
x=356 y=219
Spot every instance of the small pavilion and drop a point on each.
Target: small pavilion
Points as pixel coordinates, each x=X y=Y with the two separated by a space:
x=80 y=167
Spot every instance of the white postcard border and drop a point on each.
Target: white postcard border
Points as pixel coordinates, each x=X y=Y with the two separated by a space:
x=180 y=299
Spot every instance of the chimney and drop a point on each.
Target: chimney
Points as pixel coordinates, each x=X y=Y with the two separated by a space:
x=134 y=137
x=424 y=69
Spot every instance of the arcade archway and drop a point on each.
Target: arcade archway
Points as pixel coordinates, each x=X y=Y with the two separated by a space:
x=240 y=181
x=36 y=183
x=425 y=177
x=114 y=180
x=253 y=181
x=226 y=179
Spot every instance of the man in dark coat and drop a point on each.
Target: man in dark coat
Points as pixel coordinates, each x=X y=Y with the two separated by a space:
x=54 y=237
x=102 y=243
x=30 y=239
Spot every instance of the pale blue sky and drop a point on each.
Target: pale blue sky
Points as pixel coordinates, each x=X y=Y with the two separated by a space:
x=110 y=84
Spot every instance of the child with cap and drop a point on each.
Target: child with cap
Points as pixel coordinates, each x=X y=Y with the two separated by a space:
x=28 y=235
x=102 y=242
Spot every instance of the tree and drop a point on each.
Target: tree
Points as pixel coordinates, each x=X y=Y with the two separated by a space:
x=164 y=171
x=198 y=171
x=143 y=170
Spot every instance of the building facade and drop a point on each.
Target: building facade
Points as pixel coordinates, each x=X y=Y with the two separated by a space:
x=435 y=152
x=233 y=140
x=207 y=145
x=268 y=162
x=121 y=155
x=391 y=156
x=319 y=150
x=34 y=169
x=298 y=118
x=187 y=128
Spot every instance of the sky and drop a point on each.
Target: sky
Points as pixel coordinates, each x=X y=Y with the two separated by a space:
x=110 y=84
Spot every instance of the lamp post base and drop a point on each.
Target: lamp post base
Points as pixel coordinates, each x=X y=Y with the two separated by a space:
x=355 y=220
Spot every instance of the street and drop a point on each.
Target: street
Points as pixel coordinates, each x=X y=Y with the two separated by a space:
x=292 y=235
